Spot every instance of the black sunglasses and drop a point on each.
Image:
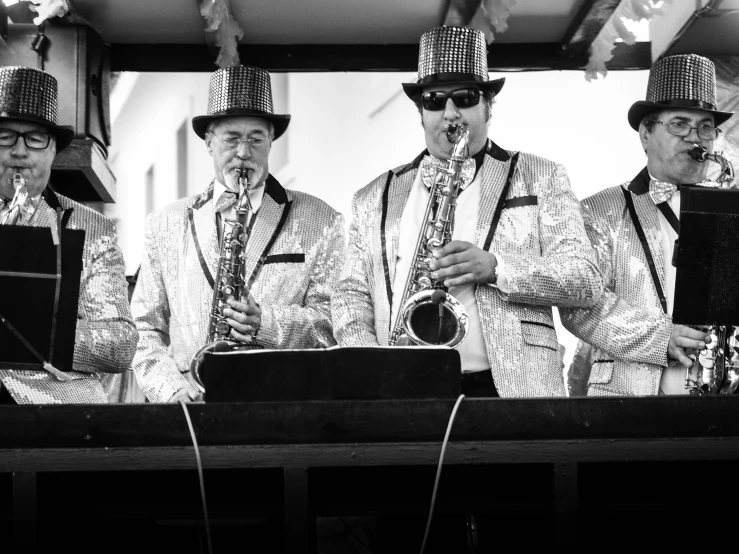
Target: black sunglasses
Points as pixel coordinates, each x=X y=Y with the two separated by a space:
x=462 y=98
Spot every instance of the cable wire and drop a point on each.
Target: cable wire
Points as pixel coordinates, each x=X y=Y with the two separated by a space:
x=438 y=471
x=200 y=475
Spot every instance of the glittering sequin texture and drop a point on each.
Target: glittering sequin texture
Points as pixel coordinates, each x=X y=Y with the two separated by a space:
x=547 y=254
x=627 y=327
x=106 y=335
x=173 y=298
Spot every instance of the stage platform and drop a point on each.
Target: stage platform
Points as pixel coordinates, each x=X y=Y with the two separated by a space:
x=567 y=466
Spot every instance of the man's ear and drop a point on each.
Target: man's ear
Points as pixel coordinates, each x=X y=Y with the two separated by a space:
x=208 y=139
x=643 y=136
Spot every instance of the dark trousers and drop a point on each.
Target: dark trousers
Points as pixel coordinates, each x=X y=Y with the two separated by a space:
x=5 y=397
x=479 y=385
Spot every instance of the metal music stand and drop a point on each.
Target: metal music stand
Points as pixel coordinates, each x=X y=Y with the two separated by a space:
x=707 y=257
x=40 y=283
x=350 y=373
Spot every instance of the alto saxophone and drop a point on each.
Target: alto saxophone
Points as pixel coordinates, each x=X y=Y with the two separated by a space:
x=726 y=178
x=19 y=199
x=718 y=364
x=229 y=283
x=428 y=314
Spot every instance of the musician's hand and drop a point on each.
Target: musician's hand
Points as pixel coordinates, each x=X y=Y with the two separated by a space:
x=460 y=263
x=186 y=395
x=683 y=338
x=245 y=318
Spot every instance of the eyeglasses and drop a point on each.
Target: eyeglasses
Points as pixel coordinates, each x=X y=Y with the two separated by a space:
x=35 y=140
x=232 y=143
x=706 y=131
x=462 y=98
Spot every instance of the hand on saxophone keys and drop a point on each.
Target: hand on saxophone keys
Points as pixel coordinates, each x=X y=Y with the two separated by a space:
x=461 y=263
x=685 y=338
x=245 y=318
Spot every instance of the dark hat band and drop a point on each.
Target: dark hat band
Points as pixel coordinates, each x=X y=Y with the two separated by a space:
x=686 y=103
x=440 y=78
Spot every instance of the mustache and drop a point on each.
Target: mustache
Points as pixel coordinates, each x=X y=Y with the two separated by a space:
x=241 y=166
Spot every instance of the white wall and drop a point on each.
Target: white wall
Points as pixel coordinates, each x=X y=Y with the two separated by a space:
x=347 y=128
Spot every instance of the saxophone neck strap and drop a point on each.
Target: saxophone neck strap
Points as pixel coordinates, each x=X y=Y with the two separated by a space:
x=670 y=216
x=645 y=246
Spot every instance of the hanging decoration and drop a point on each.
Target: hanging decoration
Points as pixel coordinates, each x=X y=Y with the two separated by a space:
x=46 y=9
x=601 y=50
x=496 y=14
x=222 y=28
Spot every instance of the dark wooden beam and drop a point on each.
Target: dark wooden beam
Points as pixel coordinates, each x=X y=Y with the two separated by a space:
x=359 y=57
x=590 y=19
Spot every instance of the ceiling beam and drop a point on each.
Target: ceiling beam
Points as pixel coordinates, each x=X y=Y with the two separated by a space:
x=354 y=57
x=587 y=23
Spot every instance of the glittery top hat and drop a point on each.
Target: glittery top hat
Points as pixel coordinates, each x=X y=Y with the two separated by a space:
x=452 y=56
x=240 y=91
x=680 y=81
x=28 y=94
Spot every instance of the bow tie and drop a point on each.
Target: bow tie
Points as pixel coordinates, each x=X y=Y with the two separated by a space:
x=226 y=200
x=430 y=164
x=660 y=191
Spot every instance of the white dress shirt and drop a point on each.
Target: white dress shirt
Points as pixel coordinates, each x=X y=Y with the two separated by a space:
x=255 y=195
x=673 y=378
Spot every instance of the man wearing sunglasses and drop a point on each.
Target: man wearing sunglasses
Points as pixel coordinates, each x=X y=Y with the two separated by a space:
x=291 y=257
x=30 y=138
x=519 y=246
x=631 y=345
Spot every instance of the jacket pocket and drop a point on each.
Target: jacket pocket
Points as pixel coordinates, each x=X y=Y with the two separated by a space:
x=285 y=259
x=601 y=371
x=541 y=334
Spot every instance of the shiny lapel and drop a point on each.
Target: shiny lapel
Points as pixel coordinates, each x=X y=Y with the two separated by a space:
x=646 y=211
x=397 y=198
x=204 y=219
x=265 y=226
x=494 y=176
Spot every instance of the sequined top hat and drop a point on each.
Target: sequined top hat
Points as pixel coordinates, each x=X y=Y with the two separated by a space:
x=28 y=94
x=680 y=81
x=452 y=56
x=240 y=91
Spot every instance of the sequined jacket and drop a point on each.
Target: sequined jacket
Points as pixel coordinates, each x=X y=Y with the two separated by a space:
x=627 y=328
x=540 y=235
x=105 y=336
x=172 y=299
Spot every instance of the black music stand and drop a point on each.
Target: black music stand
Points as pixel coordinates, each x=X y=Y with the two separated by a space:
x=350 y=373
x=36 y=275
x=707 y=257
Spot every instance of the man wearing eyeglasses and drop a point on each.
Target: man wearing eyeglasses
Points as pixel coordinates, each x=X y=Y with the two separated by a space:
x=631 y=345
x=30 y=138
x=291 y=257
x=519 y=245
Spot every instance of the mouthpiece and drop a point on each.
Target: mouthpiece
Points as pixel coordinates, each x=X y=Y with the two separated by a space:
x=454 y=132
x=17 y=181
x=698 y=153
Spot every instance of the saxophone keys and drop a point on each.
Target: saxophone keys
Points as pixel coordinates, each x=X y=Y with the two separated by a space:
x=223 y=328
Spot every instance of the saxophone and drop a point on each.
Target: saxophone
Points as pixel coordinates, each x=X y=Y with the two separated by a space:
x=718 y=364
x=701 y=154
x=229 y=283
x=428 y=314
x=19 y=199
